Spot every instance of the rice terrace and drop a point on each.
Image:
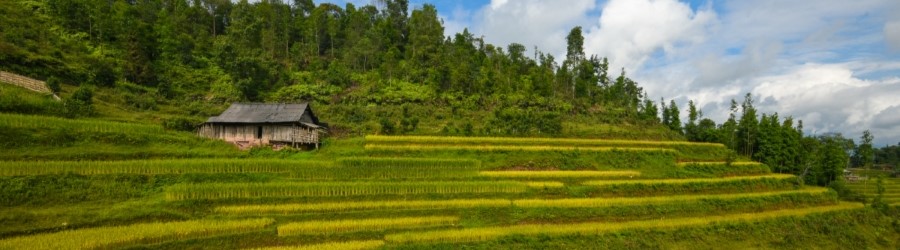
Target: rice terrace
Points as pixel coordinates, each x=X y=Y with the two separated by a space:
x=395 y=124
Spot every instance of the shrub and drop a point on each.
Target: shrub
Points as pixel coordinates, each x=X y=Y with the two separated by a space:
x=81 y=102
x=181 y=123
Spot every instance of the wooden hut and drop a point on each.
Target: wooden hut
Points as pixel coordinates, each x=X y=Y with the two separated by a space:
x=252 y=124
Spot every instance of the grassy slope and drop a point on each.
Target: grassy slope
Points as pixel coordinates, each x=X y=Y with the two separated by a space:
x=50 y=203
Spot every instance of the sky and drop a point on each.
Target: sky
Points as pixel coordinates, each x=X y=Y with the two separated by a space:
x=834 y=64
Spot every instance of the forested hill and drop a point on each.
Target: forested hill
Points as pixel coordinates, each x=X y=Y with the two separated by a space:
x=199 y=55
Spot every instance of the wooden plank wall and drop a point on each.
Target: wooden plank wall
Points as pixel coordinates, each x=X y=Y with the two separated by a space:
x=271 y=133
x=25 y=82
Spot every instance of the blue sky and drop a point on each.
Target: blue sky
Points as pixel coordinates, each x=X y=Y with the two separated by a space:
x=835 y=64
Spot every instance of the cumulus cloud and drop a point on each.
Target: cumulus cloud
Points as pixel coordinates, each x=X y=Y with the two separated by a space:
x=630 y=31
x=541 y=23
x=831 y=99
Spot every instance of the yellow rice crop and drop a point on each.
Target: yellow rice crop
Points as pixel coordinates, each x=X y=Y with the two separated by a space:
x=489 y=233
x=490 y=148
x=522 y=140
x=334 y=189
x=624 y=201
x=683 y=181
x=375 y=224
x=123 y=236
x=741 y=163
x=559 y=174
x=153 y=167
x=544 y=184
x=479 y=203
x=363 y=205
x=344 y=245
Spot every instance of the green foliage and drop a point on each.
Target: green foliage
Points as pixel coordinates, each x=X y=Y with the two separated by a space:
x=399 y=92
x=387 y=126
x=54 y=84
x=81 y=102
x=305 y=88
x=22 y=101
x=220 y=52
x=182 y=123
x=515 y=121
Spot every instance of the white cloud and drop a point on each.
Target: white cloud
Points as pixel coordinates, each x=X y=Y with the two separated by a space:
x=496 y=4
x=541 y=23
x=630 y=31
x=829 y=98
x=827 y=63
x=892 y=34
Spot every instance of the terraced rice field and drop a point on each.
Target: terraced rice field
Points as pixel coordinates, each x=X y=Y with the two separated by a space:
x=869 y=189
x=383 y=200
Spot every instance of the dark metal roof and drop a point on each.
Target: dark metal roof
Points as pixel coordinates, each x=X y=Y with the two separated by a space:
x=262 y=113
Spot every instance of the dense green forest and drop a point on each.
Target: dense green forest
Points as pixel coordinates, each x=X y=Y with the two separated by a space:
x=211 y=52
x=382 y=68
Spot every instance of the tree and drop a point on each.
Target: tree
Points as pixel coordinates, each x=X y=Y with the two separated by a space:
x=649 y=111
x=575 y=45
x=706 y=131
x=865 y=153
x=674 y=117
x=690 y=128
x=426 y=35
x=747 y=126
x=572 y=69
x=728 y=130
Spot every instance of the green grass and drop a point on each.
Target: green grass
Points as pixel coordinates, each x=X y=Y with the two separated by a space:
x=14 y=99
x=124 y=236
x=156 y=167
x=31 y=137
x=721 y=169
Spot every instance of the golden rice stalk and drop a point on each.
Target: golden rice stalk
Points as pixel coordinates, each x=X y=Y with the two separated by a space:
x=523 y=140
x=363 y=205
x=544 y=184
x=375 y=224
x=130 y=235
x=683 y=181
x=494 y=148
x=489 y=233
x=344 y=245
x=559 y=174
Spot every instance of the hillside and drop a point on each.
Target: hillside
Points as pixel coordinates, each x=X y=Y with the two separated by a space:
x=434 y=142
x=424 y=192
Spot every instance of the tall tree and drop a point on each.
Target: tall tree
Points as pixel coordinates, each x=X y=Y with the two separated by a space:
x=674 y=117
x=747 y=126
x=690 y=128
